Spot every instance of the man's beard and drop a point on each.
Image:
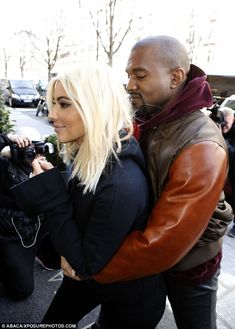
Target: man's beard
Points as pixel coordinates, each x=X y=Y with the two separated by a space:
x=147 y=110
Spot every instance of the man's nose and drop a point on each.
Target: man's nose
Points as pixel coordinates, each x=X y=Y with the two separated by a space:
x=131 y=84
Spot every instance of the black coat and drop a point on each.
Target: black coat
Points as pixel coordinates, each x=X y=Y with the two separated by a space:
x=12 y=217
x=230 y=141
x=88 y=229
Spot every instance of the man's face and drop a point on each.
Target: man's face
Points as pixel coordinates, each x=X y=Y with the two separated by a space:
x=149 y=81
x=228 y=120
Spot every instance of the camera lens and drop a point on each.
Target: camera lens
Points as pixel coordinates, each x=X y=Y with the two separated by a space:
x=39 y=147
x=29 y=154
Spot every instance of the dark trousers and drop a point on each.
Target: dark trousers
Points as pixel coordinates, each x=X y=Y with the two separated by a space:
x=17 y=266
x=194 y=306
x=131 y=305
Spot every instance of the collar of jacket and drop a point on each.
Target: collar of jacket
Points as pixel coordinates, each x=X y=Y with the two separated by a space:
x=166 y=130
x=196 y=95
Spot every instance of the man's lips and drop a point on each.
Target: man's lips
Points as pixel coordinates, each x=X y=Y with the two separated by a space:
x=135 y=98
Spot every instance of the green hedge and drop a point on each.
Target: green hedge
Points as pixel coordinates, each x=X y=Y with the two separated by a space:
x=6 y=125
x=54 y=158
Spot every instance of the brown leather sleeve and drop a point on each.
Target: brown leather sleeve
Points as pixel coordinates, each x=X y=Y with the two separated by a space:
x=196 y=179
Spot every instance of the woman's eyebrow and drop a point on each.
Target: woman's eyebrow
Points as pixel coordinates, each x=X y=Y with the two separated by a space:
x=62 y=97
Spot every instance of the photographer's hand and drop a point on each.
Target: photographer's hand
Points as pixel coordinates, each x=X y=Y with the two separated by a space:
x=40 y=165
x=21 y=141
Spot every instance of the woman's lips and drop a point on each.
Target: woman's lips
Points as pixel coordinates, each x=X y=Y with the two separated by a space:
x=58 y=128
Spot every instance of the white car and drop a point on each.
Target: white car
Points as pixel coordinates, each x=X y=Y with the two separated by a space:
x=229 y=102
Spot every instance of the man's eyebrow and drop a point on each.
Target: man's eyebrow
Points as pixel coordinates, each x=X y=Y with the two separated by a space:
x=138 y=70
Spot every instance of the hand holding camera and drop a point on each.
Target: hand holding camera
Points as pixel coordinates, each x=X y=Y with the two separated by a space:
x=29 y=153
x=21 y=141
x=40 y=164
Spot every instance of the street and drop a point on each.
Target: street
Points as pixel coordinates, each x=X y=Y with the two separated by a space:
x=25 y=118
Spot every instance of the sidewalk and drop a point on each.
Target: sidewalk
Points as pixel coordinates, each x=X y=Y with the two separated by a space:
x=226 y=293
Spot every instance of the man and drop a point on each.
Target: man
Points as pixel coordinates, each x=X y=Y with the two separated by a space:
x=187 y=163
x=228 y=130
x=21 y=237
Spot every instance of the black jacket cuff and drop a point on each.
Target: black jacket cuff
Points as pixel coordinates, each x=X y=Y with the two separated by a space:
x=41 y=193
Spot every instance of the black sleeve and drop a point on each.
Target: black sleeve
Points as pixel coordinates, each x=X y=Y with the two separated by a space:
x=4 y=141
x=46 y=193
x=6 y=199
x=117 y=204
x=231 y=150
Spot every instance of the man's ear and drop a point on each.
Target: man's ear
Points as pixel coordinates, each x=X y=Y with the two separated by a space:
x=178 y=76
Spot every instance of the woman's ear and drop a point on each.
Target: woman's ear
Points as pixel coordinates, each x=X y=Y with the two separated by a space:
x=178 y=76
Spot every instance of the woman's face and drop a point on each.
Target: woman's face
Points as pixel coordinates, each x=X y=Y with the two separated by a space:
x=66 y=120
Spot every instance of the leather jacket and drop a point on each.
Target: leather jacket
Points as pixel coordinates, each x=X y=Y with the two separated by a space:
x=187 y=222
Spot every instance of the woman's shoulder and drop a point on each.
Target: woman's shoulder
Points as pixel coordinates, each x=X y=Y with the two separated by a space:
x=131 y=150
x=128 y=166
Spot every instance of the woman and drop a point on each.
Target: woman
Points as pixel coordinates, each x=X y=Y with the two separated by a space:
x=108 y=197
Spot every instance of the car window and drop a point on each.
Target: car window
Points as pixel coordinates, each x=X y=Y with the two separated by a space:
x=22 y=84
x=230 y=103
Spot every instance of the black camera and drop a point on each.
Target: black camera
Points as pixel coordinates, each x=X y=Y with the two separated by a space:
x=28 y=154
x=217 y=116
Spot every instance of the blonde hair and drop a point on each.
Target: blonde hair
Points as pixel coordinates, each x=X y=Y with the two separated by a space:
x=105 y=109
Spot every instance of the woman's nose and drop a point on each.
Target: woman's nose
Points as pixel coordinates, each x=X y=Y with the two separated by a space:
x=52 y=115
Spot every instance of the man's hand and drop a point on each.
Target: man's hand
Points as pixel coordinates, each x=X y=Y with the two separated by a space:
x=68 y=270
x=21 y=141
